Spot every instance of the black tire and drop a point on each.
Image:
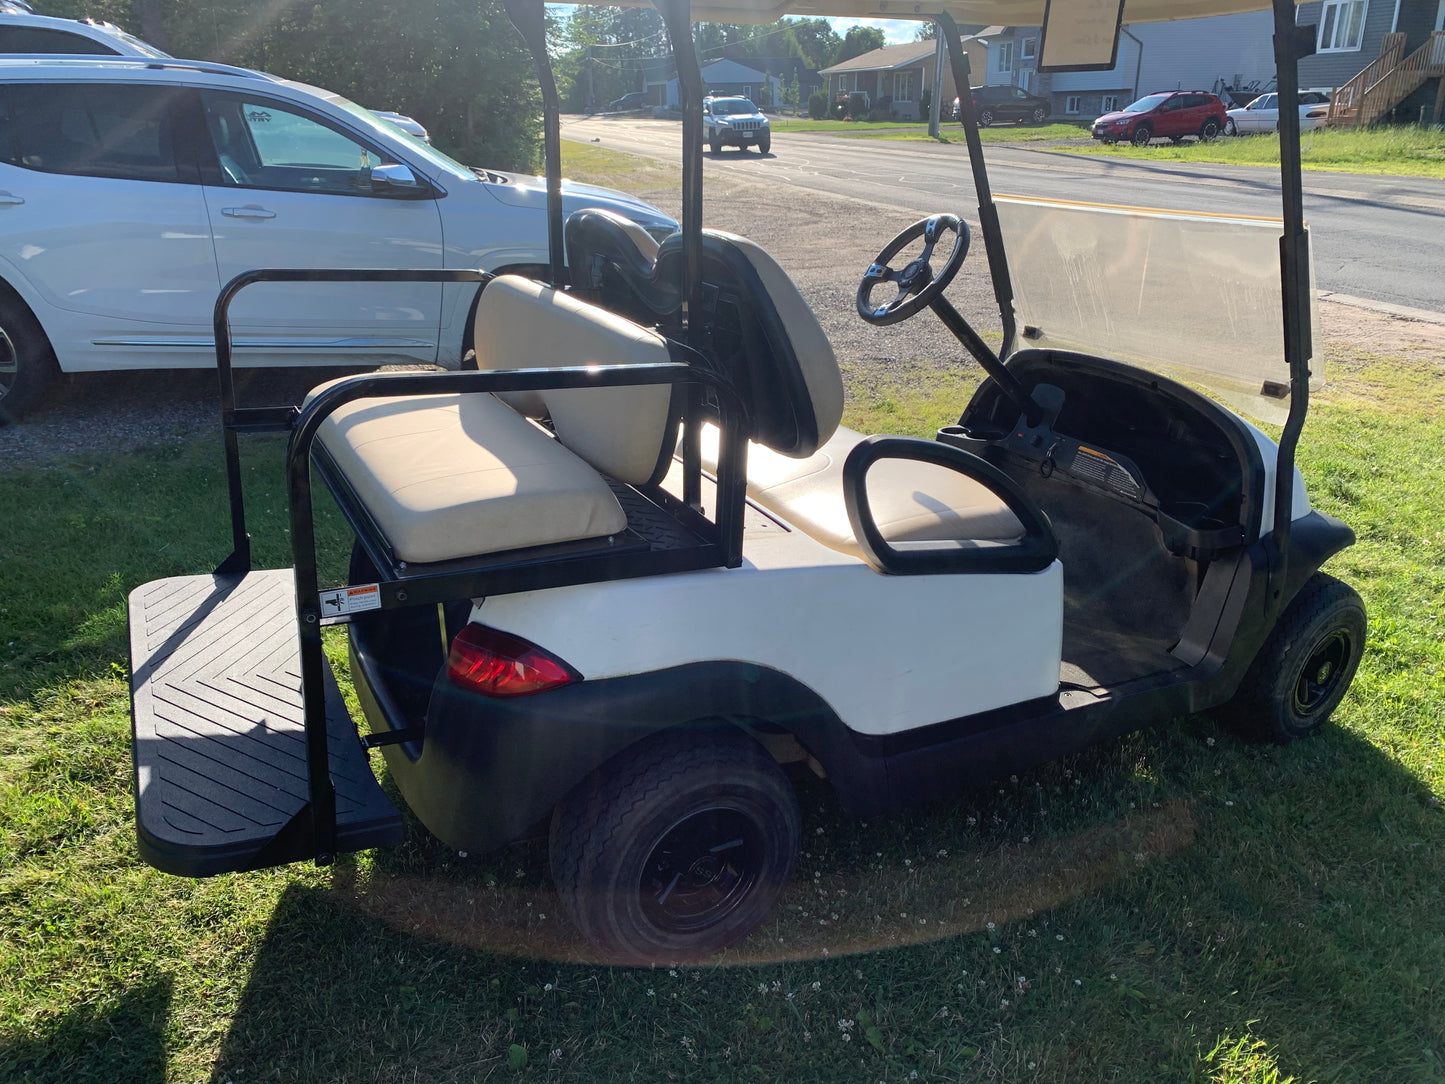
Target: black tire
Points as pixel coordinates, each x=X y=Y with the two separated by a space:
x=27 y=363
x=765 y=144
x=1142 y=135
x=1208 y=130
x=985 y=118
x=714 y=146
x=1230 y=128
x=1039 y=115
x=1305 y=667
x=678 y=848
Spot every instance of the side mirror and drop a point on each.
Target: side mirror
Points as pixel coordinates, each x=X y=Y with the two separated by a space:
x=396 y=179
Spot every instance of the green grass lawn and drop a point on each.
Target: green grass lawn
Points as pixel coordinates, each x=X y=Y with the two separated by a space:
x=1403 y=151
x=1172 y=906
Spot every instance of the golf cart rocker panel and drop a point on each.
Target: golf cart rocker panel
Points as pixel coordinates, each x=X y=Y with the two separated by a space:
x=488 y=770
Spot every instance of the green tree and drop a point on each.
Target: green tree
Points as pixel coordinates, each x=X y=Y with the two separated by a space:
x=859 y=40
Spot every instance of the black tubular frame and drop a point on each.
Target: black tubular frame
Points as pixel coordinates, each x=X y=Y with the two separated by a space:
x=720 y=541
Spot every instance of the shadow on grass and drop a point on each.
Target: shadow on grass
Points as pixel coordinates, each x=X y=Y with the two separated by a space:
x=120 y=1043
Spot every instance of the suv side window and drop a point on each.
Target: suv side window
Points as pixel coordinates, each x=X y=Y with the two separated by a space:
x=42 y=39
x=94 y=130
x=261 y=143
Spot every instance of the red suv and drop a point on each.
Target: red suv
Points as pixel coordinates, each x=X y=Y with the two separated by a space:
x=1174 y=114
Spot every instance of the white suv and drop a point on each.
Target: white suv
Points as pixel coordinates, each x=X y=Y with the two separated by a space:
x=131 y=190
x=22 y=32
x=735 y=122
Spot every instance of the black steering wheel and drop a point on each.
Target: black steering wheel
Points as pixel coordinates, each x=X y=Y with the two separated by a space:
x=918 y=286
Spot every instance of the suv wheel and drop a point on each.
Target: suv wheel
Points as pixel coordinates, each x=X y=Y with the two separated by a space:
x=715 y=145
x=27 y=363
x=1208 y=130
x=1230 y=128
x=765 y=143
x=1039 y=115
x=985 y=118
x=1142 y=135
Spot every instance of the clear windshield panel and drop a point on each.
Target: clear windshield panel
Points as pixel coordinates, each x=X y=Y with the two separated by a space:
x=724 y=107
x=1195 y=297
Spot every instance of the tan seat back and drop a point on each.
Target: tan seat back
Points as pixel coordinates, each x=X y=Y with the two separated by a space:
x=627 y=433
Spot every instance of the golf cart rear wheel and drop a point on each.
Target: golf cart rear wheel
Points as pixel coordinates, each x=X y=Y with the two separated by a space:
x=1305 y=667
x=678 y=849
x=27 y=363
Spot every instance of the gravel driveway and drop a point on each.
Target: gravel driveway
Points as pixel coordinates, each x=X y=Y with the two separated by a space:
x=825 y=243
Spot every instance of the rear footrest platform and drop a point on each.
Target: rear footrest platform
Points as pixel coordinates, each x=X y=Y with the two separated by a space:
x=218 y=740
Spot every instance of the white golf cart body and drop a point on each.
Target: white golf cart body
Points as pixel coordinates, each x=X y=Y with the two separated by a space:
x=629 y=568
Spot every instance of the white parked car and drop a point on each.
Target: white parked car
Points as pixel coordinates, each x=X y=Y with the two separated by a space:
x=22 y=32
x=131 y=191
x=1262 y=114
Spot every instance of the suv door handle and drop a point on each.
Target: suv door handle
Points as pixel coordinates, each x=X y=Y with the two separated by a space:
x=249 y=211
x=10 y=198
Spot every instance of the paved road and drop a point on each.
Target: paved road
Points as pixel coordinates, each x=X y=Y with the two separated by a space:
x=1381 y=238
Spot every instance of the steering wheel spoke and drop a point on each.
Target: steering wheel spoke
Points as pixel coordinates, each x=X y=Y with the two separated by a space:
x=918 y=286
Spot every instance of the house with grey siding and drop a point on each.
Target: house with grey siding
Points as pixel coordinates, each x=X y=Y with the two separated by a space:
x=1215 y=54
x=1351 y=35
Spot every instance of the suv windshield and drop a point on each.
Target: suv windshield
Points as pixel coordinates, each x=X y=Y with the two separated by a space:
x=1146 y=103
x=722 y=107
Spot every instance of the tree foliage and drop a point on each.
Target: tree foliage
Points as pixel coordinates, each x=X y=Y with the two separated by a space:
x=458 y=66
x=859 y=40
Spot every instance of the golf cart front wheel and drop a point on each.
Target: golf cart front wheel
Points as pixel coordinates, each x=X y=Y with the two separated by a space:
x=678 y=849
x=1305 y=667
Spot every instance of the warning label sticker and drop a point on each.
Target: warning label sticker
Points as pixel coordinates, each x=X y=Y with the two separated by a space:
x=351 y=600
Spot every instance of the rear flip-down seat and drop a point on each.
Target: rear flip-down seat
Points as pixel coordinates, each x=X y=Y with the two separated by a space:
x=453 y=476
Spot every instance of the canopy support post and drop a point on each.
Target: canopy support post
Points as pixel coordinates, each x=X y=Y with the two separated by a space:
x=677 y=17
x=1290 y=43
x=530 y=19
x=1003 y=289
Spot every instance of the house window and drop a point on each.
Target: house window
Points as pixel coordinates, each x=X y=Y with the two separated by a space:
x=903 y=86
x=1005 y=64
x=1071 y=103
x=1030 y=50
x=1110 y=104
x=1342 y=24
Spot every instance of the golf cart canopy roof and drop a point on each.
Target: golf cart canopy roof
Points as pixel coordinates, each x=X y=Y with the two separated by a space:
x=964 y=12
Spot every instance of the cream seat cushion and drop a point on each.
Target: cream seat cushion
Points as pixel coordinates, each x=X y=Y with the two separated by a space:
x=911 y=501
x=448 y=476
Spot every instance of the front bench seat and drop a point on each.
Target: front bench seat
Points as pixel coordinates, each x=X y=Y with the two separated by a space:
x=910 y=501
x=461 y=475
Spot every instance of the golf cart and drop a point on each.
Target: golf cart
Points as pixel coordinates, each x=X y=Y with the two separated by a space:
x=630 y=574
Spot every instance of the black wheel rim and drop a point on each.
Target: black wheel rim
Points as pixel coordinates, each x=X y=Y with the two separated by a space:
x=1324 y=672
x=701 y=870
x=9 y=363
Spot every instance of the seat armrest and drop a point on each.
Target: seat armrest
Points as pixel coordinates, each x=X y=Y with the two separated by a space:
x=1035 y=551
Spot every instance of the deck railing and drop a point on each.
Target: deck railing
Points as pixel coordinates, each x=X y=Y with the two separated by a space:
x=1388 y=80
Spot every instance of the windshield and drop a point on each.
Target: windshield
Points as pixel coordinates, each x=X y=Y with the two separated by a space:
x=722 y=107
x=1143 y=105
x=145 y=47
x=1190 y=295
x=425 y=150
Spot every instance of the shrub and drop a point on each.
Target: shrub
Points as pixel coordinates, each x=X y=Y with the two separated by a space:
x=857 y=105
x=924 y=101
x=817 y=105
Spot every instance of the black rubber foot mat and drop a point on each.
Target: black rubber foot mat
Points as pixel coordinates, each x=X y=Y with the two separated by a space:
x=218 y=740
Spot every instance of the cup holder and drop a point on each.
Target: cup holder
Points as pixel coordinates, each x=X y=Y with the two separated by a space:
x=1192 y=530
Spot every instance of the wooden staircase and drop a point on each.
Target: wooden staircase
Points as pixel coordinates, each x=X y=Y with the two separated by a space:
x=1388 y=81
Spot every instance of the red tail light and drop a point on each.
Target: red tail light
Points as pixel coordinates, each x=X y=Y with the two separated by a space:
x=496 y=663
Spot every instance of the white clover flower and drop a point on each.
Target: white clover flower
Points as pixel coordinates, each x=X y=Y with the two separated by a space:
x=1058 y=937
x=547 y=987
x=996 y=950
x=1078 y=982
x=817 y=985
x=988 y=925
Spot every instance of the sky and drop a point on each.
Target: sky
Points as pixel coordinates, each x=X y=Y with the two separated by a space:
x=894 y=30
